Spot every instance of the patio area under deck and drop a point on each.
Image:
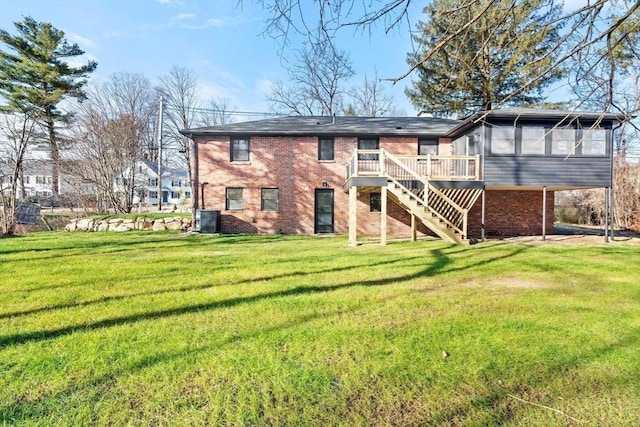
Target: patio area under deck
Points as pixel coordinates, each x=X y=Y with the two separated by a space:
x=436 y=190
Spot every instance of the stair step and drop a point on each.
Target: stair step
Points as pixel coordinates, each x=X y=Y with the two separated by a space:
x=414 y=203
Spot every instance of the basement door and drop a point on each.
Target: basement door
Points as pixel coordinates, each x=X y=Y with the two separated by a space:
x=323 y=222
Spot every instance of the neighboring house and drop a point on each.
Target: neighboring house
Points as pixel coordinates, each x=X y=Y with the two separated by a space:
x=493 y=173
x=36 y=180
x=175 y=184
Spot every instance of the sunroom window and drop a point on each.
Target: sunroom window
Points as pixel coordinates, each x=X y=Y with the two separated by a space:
x=533 y=140
x=503 y=140
x=593 y=142
x=563 y=141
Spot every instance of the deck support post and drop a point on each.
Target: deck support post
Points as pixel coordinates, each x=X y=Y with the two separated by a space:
x=414 y=227
x=383 y=215
x=353 y=220
x=544 y=213
x=606 y=214
x=612 y=215
x=484 y=204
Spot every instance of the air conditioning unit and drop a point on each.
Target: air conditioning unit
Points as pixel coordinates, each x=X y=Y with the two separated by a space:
x=207 y=221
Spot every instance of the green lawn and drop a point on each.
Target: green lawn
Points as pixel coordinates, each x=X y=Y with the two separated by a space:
x=166 y=329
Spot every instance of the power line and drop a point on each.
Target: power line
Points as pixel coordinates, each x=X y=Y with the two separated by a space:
x=225 y=112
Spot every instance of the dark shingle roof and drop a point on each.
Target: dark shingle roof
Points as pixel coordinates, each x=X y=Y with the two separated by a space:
x=343 y=126
x=533 y=113
x=389 y=126
x=536 y=115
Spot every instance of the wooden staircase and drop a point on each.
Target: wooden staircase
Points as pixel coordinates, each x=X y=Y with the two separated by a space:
x=438 y=191
x=443 y=211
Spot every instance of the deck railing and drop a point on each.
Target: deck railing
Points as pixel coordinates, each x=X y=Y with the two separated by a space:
x=402 y=168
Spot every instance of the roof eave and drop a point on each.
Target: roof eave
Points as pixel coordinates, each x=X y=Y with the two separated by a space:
x=545 y=116
x=418 y=134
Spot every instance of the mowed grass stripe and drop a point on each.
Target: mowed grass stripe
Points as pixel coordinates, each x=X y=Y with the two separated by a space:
x=166 y=329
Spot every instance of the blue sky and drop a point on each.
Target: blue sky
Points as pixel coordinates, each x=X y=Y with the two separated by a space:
x=219 y=40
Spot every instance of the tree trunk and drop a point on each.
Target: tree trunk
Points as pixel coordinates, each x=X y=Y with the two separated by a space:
x=55 y=157
x=9 y=205
x=486 y=77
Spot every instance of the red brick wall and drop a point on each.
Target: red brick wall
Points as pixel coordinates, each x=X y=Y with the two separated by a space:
x=398 y=220
x=512 y=213
x=290 y=164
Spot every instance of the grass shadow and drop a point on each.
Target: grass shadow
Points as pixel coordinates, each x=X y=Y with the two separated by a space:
x=442 y=261
x=107 y=299
x=20 y=410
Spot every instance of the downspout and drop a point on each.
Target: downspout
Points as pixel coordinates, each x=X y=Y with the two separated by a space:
x=195 y=173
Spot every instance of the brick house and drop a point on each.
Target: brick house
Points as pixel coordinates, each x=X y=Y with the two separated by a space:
x=492 y=173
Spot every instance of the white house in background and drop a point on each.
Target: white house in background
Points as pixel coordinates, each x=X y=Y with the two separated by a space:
x=175 y=184
x=36 y=179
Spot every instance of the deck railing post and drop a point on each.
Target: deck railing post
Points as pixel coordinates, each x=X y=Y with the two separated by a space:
x=355 y=162
x=381 y=158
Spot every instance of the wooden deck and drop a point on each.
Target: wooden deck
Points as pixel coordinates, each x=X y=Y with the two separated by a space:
x=409 y=181
x=367 y=163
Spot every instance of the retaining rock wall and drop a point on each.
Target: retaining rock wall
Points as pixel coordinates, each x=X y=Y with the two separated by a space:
x=120 y=225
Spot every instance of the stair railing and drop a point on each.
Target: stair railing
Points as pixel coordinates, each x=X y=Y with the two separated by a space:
x=434 y=200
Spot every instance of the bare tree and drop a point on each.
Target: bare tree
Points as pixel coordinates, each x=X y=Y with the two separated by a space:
x=588 y=206
x=627 y=200
x=20 y=132
x=115 y=127
x=218 y=113
x=289 y=19
x=370 y=99
x=583 y=29
x=290 y=100
x=606 y=76
x=180 y=91
x=316 y=82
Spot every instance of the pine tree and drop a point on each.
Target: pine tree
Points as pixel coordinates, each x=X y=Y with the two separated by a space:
x=35 y=77
x=474 y=55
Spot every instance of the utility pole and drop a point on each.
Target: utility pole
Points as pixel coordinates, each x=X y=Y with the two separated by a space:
x=160 y=155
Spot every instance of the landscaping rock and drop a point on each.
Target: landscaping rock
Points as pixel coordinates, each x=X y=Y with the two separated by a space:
x=159 y=225
x=173 y=225
x=123 y=227
x=120 y=225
